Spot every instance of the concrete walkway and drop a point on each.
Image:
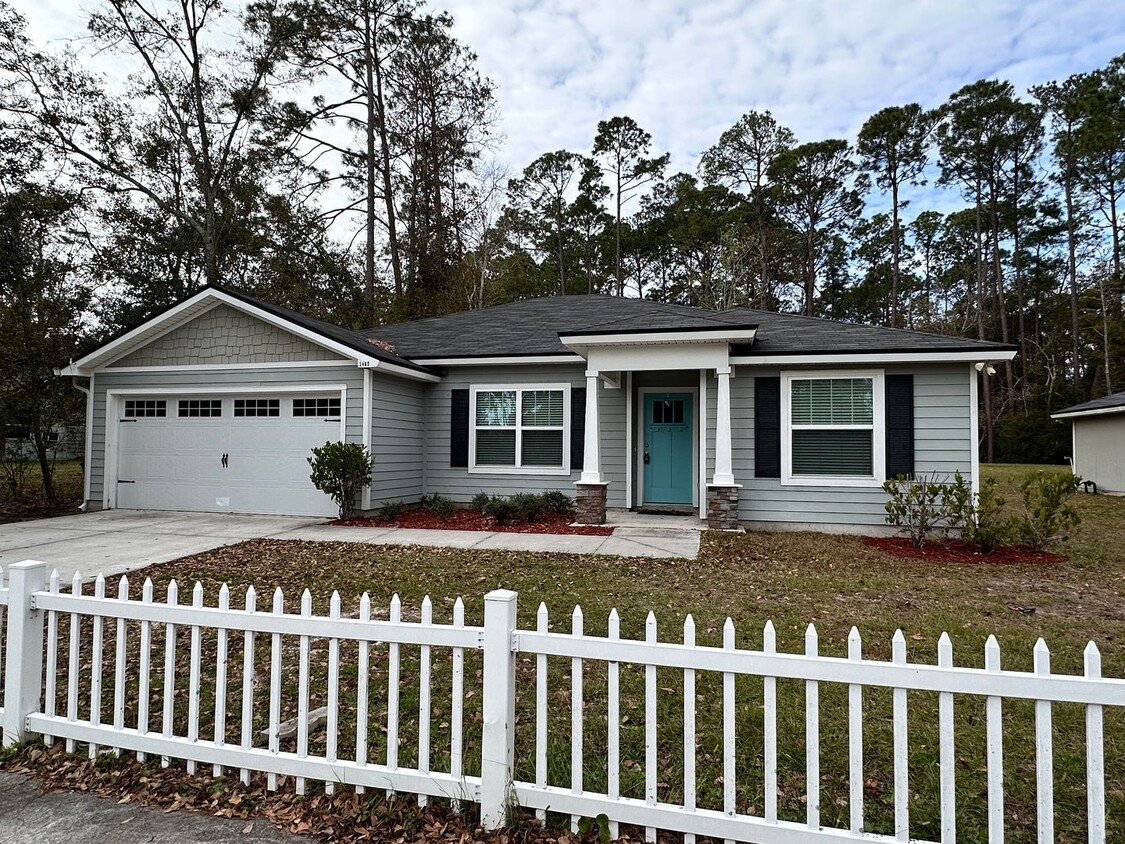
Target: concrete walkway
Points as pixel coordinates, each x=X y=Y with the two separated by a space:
x=28 y=816
x=113 y=542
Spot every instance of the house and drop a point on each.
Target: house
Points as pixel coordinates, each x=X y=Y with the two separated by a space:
x=740 y=416
x=1098 y=441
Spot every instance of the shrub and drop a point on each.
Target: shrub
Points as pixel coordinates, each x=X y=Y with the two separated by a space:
x=915 y=506
x=392 y=510
x=526 y=506
x=15 y=468
x=979 y=518
x=557 y=502
x=439 y=505
x=340 y=470
x=1046 y=516
x=499 y=508
x=480 y=501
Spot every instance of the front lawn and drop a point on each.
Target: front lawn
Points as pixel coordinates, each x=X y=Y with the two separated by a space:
x=794 y=579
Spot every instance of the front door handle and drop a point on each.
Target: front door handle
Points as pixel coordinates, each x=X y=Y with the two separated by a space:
x=646 y=456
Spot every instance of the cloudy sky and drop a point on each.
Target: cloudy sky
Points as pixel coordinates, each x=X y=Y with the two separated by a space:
x=686 y=70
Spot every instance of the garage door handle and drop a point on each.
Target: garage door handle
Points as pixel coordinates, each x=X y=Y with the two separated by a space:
x=224 y=460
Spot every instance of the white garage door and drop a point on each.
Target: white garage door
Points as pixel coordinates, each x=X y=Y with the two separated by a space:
x=228 y=454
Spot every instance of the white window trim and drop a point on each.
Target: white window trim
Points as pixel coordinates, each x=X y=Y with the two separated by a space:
x=518 y=470
x=878 y=430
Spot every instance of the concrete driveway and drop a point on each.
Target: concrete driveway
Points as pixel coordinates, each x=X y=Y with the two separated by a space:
x=116 y=541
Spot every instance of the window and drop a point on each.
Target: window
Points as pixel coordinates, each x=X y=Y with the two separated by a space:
x=257 y=407
x=200 y=408
x=832 y=428
x=668 y=412
x=324 y=407
x=145 y=408
x=522 y=428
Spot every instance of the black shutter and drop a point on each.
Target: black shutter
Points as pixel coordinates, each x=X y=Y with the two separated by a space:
x=577 y=427
x=459 y=428
x=767 y=427
x=900 y=425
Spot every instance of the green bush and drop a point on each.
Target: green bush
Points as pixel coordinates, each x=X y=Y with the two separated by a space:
x=480 y=501
x=557 y=501
x=392 y=510
x=340 y=470
x=982 y=523
x=439 y=505
x=1046 y=516
x=915 y=506
x=499 y=508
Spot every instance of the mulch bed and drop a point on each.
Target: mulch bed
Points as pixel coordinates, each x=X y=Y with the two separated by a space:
x=956 y=551
x=469 y=519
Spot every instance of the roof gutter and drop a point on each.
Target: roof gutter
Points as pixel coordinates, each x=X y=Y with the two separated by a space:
x=823 y=358
x=1098 y=411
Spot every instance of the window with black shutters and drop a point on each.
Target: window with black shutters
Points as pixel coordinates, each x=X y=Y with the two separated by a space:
x=519 y=428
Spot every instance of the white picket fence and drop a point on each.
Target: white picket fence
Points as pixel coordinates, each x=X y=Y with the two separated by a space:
x=96 y=706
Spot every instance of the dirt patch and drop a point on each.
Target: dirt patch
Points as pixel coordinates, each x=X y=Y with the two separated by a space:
x=469 y=519
x=955 y=551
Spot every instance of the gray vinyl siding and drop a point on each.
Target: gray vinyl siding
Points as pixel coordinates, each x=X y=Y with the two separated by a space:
x=1099 y=451
x=224 y=335
x=461 y=485
x=398 y=420
x=200 y=382
x=942 y=444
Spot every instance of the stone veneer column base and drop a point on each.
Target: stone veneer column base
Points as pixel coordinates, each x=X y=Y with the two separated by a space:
x=722 y=507
x=589 y=503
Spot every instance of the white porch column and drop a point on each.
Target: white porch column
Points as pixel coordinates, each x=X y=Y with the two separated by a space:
x=592 y=460
x=724 y=471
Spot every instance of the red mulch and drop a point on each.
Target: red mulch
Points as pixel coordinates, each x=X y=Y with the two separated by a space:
x=956 y=551
x=468 y=519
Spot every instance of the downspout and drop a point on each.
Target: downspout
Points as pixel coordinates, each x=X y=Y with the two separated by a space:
x=89 y=392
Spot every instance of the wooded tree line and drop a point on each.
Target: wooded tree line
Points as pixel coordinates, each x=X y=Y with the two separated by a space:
x=337 y=157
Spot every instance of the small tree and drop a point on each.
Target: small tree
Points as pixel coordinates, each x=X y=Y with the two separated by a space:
x=1047 y=516
x=340 y=470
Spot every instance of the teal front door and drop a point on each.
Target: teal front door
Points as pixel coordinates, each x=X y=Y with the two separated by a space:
x=668 y=448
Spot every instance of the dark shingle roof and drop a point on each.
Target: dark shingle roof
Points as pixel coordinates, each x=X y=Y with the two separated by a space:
x=1106 y=403
x=532 y=326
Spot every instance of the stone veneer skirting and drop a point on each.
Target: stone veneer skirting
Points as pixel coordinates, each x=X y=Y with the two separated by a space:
x=589 y=503
x=722 y=507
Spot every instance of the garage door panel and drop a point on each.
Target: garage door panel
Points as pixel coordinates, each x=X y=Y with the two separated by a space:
x=175 y=463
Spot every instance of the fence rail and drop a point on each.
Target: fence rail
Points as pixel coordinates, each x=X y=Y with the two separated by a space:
x=235 y=688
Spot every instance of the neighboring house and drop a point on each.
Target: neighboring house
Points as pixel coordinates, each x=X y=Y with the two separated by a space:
x=1098 y=441
x=741 y=415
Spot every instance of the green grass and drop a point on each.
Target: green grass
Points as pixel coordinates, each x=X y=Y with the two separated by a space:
x=793 y=579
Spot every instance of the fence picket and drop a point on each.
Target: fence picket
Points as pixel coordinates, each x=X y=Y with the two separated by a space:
x=393 y=677
x=193 y=674
x=855 y=738
x=363 y=687
x=577 y=727
x=221 y=654
x=1095 y=754
x=119 y=662
x=613 y=737
x=51 y=684
x=303 y=690
x=275 y=688
x=650 y=727
x=769 y=728
x=173 y=598
x=995 y=748
x=424 y=691
x=332 y=728
x=730 y=738
x=248 y=664
x=72 y=661
x=946 y=749
x=689 y=728
x=541 y=625
x=901 y=748
x=457 y=719
x=96 y=663
x=1044 y=752
x=144 y=662
x=812 y=736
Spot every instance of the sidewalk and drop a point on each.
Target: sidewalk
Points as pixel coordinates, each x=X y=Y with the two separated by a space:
x=30 y=817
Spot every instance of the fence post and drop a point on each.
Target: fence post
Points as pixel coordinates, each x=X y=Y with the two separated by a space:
x=24 y=656
x=499 y=704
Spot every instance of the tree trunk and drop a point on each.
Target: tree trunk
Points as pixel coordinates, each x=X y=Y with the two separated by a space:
x=375 y=73
x=894 y=254
x=1072 y=272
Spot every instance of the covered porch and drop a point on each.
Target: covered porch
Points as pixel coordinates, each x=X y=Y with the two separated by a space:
x=677 y=421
